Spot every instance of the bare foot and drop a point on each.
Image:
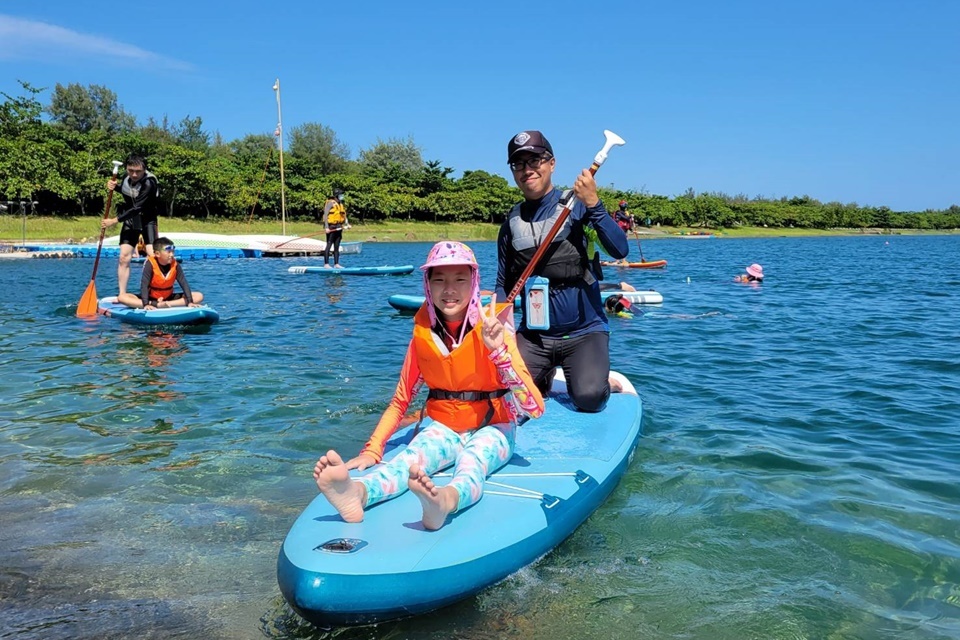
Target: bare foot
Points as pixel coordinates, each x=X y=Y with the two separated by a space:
x=326 y=266
x=437 y=502
x=615 y=386
x=333 y=479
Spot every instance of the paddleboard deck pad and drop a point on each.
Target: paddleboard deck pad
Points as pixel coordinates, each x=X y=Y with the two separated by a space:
x=565 y=465
x=182 y=316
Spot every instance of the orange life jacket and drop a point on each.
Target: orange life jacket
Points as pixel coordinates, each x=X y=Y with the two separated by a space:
x=161 y=286
x=466 y=371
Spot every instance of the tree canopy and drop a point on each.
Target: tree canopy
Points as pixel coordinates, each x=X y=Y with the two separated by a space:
x=63 y=163
x=86 y=109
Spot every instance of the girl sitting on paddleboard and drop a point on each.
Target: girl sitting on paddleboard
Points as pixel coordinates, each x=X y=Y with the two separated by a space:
x=478 y=386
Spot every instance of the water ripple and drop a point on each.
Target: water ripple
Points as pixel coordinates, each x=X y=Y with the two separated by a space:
x=797 y=477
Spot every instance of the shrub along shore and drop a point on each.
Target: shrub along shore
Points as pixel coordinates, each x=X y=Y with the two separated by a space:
x=86 y=229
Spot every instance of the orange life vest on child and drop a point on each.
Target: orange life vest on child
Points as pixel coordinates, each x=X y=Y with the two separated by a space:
x=467 y=368
x=161 y=286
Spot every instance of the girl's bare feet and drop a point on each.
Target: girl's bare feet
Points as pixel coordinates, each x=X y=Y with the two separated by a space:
x=347 y=496
x=437 y=502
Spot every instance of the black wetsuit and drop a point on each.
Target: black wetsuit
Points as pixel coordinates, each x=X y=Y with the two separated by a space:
x=334 y=235
x=139 y=211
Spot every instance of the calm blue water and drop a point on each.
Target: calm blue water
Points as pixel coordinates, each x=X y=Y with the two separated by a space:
x=798 y=475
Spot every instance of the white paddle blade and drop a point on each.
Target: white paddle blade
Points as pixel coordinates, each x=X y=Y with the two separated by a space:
x=613 y=140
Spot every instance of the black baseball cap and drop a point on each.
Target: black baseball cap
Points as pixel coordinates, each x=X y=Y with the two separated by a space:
x=532 y=141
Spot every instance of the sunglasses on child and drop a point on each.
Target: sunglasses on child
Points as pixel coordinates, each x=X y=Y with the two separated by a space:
x=171 y=248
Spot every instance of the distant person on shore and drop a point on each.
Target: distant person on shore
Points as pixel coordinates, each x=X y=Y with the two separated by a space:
x=754 y=274
x=160 y=272
x=138 y=213
x=334 y=222
x=478 y=386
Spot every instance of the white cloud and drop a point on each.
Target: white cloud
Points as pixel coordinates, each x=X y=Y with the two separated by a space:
x=34 y=40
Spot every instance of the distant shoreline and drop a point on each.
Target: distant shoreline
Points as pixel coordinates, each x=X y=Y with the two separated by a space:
x=77 y=230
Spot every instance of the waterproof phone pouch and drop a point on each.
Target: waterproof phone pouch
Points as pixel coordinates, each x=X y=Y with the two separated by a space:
x=538 y=303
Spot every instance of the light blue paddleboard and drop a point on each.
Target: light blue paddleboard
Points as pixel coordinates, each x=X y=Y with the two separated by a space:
x=173 y=316
x=566 y=464
x=355 y=271
x=402 y=302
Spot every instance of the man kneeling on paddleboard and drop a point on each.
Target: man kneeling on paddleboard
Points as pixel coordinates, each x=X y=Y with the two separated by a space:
x=574 y=332
x=160 y=272
x=478 y=384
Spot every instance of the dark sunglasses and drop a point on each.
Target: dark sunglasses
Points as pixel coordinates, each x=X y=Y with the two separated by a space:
x=533 y=163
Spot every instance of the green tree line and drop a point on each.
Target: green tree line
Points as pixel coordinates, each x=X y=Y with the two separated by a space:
x=59 y=155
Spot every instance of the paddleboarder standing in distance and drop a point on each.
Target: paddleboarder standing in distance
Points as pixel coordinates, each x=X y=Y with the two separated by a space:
x=334 y=222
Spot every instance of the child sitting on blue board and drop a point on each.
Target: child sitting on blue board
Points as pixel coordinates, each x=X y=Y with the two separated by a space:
x=478 y=386
x=160 y=272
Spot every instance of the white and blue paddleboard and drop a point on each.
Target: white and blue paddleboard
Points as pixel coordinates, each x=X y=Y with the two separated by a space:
x=407 y=303
x=402 y=302
x=566 y=463
x=173 y=316
x=355 y=271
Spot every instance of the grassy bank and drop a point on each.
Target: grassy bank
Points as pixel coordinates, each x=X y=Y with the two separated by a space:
x=78 y=229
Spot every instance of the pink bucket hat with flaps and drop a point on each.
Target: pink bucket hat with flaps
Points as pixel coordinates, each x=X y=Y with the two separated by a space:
x=755 y=270
x=449 y=253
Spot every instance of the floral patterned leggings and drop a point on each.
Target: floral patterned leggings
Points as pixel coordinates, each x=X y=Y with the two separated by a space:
x=476 y=454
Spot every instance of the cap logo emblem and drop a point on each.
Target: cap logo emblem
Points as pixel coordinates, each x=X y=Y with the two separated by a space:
x=521 y=138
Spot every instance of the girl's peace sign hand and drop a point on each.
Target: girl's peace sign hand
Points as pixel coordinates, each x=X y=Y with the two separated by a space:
x=492 y=331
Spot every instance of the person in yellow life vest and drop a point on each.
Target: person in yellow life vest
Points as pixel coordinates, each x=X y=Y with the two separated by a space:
x=478 y=387
x=334 y=222
x=160 y=272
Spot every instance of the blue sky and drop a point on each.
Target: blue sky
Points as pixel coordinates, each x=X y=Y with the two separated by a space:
x=851 y=101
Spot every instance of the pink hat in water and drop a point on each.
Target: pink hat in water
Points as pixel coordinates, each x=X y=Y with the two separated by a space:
x=756 y=271
x=446 y=254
